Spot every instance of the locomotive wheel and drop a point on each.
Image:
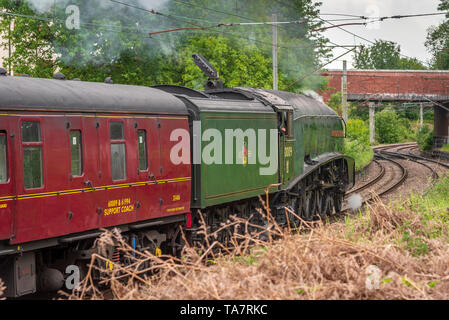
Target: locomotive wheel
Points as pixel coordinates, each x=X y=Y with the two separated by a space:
x=299 y=210
x=309 y=205
x=319 y=195
x=178 y=243
x=328 y=205
x=338 y=201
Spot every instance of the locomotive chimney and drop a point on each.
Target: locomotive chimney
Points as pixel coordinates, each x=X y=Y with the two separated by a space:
x=214 y=81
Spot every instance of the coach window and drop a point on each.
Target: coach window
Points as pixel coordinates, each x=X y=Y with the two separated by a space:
x=76 y=153
x=143 y=155
x=3 y=158
x=118 y=151
x=32 y=155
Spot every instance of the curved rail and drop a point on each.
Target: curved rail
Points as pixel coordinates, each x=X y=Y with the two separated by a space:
x=404 y=174
x=411 y=158
x=370 y=183
x=396 y=184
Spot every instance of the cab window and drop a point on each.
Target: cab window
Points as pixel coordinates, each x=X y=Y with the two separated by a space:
x=32 y=155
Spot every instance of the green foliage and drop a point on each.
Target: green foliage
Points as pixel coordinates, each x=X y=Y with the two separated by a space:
x=445 y=148
x=389 y=128
x=30 y=39
x=384 y=55
x=416 y=245
x=239 y=64
x=425 y=138
x=437 y=41
x=358 y=111
x=358 y=130
x=361 y=153
x=335 y=102
x=433 y=209
x=357 y=144
x=411 y=64
x=381 y=55
x=407 y=132
x=111 y=43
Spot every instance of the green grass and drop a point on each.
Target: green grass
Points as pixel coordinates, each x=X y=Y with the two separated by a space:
x=362 y=153
x=433 y=210
x=445 y=148
x=421 y=219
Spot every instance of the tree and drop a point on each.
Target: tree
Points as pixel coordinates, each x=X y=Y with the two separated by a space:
x=384 y=55
x=381 y=55
x=30 y=39
x=411 y=64
x=437 y=41
x=113 y=41
x=335 y=102
x=388 y=127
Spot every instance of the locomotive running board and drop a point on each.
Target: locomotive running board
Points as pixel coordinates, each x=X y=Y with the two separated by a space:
x=322 y=160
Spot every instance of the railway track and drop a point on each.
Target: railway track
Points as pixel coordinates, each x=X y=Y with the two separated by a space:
x=405 y=153
x=392 y=174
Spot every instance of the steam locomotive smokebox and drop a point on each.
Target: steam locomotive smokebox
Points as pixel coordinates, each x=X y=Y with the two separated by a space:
x=19 y=272
x=441 y=136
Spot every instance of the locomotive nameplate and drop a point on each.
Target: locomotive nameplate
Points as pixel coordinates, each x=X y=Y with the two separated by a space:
x=337 y=133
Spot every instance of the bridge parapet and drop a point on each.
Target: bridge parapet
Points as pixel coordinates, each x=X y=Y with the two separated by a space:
x=376 y=86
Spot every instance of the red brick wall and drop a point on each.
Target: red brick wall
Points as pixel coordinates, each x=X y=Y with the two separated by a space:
x=389 y=82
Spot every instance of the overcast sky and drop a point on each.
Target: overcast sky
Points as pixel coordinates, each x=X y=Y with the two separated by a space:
x=409 y=33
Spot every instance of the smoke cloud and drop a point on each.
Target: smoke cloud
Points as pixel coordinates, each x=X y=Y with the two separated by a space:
x=110 y=29
x=355 y=202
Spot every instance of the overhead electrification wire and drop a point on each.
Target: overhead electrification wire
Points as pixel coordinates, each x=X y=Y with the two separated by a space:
x=385 y=17
x=318 y=69
x=367 y=40
x=117 y=29
x=196 y=26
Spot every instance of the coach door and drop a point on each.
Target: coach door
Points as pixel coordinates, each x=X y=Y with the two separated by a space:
x=6 y=182
x=84 y=173
x=149 y=168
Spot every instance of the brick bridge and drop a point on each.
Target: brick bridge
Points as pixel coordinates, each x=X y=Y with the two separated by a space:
x=377 y=86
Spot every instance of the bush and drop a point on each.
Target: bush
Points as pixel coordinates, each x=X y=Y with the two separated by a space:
x=361 y=153
x=407 y=131
x=388 y=127
x=358 y=130
x=445 y=148
x=335 y=102
x=425 y=138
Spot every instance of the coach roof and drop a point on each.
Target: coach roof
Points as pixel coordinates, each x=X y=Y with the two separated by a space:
x=78 y=96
